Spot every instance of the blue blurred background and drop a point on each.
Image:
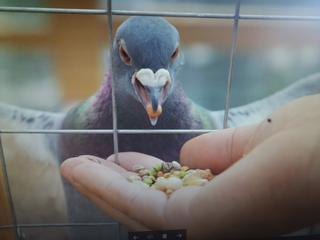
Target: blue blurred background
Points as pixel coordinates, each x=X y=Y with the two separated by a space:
x=52 y=61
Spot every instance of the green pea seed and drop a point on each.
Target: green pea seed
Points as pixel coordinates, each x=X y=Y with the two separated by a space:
x=148 y=181
x=157 y=167
x=152 y=172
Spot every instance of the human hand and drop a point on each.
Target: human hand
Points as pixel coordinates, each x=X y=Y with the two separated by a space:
x=272 y=190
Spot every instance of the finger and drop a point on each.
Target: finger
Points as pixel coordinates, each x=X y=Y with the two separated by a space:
x=217 y=150
x=110 y=211
x=116 y=191
x=276 y=180
x=68 y=165
x=66 y=170
x=149 y=207
x=290 y=116
x=142 y=205
x=266 y=129
x=128 y=159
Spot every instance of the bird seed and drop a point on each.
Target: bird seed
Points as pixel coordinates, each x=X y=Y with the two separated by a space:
x=170 y=176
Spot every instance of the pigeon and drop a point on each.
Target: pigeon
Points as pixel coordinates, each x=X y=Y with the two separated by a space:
x=148 y=95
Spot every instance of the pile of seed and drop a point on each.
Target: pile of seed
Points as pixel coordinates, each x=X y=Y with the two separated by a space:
x=169 y=176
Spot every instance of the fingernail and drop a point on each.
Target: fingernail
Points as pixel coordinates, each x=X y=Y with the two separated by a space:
x=93 y=159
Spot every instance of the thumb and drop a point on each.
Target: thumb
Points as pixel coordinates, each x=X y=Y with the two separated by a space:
x=217 y=150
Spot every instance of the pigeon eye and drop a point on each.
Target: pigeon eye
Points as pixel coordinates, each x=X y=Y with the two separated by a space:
x=175 y=54
x=124 y=55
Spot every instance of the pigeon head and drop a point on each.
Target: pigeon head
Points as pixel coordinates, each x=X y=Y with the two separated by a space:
x=146 y=59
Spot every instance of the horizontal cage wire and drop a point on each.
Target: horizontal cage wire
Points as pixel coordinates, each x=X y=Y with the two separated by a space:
x=160 y=14
x=237 y=16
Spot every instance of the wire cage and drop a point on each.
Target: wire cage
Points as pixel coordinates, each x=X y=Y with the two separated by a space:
x=17 y=229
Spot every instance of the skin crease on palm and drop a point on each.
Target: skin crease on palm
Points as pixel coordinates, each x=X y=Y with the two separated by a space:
x=272 y=190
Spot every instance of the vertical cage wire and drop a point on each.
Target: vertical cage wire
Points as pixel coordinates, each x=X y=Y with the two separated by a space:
x=114 y=104
x=8 y=192
x=109 y=12
x=233 y=52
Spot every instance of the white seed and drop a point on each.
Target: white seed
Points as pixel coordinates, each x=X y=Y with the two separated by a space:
x=176 y=165
x=143 y=172
x=173 y=183
x=176 y=174
x=133 y=178
x=137 y=168
x=160 y=184
x=195 y=181
x=152 y=178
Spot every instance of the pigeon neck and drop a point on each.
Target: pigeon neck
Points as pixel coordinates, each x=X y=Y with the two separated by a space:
x=103 y=98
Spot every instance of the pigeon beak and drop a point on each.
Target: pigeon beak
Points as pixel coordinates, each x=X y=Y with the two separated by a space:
x=151 y=90
x=153 y=94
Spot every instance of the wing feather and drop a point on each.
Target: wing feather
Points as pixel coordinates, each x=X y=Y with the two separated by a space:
x=259 y=110
x=33 y=170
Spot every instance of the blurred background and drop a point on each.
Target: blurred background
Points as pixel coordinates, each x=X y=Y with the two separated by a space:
x=52 y=61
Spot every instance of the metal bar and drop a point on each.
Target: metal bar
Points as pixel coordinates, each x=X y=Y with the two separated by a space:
x=153 y=13
x=54 y=10
x=118 y=229
x=119 y=131
x=21 y=131
x=282 y=18
x=233 y=52
x=114 y=105
x=60 y=225
x=7 y=187
x=173 y=14
x=114 y=12
x=114 y=109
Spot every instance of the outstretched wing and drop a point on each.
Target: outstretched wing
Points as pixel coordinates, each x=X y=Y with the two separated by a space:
x=259 y=110
x=33 y=169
